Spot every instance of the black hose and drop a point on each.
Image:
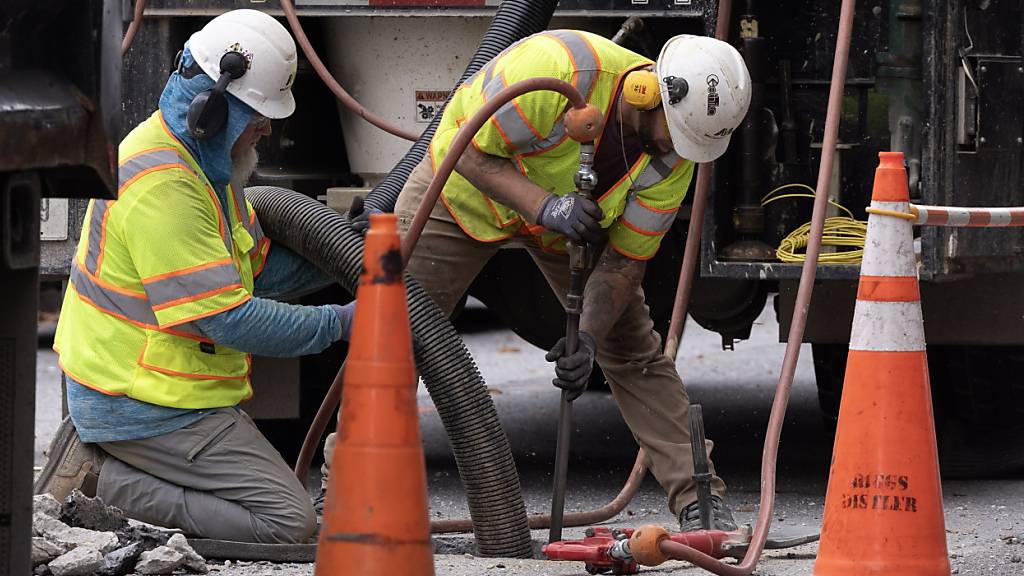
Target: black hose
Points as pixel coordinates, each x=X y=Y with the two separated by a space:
x=467 y=411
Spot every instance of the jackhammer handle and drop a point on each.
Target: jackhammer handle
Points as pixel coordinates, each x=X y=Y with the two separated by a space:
x=561 y=467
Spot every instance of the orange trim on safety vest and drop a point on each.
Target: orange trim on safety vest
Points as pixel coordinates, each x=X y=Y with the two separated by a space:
x=653 y=209
x=211 y=312
x=189 y=270
x=467 y=230
x=149 y=151
x=108 y=285
x=525 y=120
x=572 y=60
x=83 y=382
x=89 y=302
x=221 y=224
x=170 y=372
x=622 y=220
x=629 y=254
x=888 y=289
x=103 y=239
x=201 y=296
x=627 y=176
x=233 y=200
x=263 y=250
x=156 y=168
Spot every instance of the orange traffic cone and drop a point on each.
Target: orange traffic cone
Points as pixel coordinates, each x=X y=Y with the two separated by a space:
x=375 y=516
x=883 y=510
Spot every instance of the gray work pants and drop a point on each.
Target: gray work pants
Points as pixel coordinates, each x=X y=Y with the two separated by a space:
x=644 y=382
x=216 y=478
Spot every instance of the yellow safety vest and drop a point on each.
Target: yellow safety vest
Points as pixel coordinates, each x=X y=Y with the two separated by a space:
x=638 y=209
x=150 y=263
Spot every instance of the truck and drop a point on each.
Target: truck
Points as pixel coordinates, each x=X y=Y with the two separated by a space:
x=939 y=80
x=60 y=97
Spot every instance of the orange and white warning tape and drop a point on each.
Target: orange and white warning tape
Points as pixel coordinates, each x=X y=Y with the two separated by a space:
x=957 y=217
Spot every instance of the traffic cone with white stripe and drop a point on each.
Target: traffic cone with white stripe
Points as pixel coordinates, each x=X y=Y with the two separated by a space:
x=375 y=515
x=883 y=510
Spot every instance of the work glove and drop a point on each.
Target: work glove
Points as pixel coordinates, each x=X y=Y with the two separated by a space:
x=572 y=373
x=345 y=315
x=359 y=215
x=577 y=217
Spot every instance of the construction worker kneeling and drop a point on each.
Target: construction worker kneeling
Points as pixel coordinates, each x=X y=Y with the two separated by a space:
x=168 y=298
x=514 y=188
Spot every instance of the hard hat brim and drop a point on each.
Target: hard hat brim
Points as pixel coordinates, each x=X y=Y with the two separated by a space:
x=692 y=146
x=282 y=107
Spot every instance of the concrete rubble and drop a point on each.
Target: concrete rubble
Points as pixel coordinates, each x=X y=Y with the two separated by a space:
x=84 y=536
x=78 y=562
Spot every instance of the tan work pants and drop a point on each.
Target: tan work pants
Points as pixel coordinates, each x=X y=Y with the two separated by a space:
x=643 y=380
x=215 y=478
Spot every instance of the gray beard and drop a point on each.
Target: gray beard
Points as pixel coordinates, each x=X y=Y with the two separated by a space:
x=242 y=168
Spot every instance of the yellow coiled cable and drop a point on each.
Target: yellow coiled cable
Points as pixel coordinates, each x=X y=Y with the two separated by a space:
x=839 y=231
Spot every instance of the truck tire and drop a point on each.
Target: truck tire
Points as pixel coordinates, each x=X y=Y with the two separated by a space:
x=977 y=396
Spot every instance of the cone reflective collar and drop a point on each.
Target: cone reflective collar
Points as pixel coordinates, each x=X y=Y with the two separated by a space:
x=883 y=510
x=375 y=515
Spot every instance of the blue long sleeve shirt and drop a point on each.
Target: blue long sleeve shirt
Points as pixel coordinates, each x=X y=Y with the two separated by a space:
x=260 y=326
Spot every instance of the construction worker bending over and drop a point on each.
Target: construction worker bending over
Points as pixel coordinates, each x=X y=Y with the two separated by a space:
x=514 y=188
x=168 y=298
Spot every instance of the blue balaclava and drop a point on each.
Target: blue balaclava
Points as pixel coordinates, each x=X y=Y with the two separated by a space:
x=213 y=154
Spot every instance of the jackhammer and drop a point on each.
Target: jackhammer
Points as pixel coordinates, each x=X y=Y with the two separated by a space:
x=580 y=255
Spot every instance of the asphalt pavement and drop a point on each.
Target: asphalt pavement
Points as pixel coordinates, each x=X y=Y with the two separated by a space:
x=984 y=518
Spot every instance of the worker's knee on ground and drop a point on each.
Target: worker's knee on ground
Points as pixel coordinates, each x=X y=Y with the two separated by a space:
x=293 y=524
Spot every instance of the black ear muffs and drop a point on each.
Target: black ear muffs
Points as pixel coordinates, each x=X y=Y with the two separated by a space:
x=208 y=111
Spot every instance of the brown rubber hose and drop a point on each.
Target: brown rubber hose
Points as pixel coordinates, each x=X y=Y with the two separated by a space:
x=465 y=136
x=796 y=329
x=336 y=88
x=691 y=254
x=133 y=28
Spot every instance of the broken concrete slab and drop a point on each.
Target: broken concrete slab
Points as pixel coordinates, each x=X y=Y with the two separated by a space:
x=121 y=561
x=46 y=504
x=43 y=550
x=78 y=562
x=161 y=560
x=43 y=524
x=74 y=537
x=193 y=561
x=85 y=512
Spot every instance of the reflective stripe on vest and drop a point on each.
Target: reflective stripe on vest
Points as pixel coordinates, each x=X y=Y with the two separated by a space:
x=97 y=229
x=167 y=289
x=192 y=284
x=143 y=163
x=129 y=306
x=252 y=225
x=656 y=170
x=510 y=120
x=645 y=219
x=146 y=162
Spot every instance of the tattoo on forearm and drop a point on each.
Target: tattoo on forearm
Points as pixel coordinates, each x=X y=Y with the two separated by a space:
x=613 y=282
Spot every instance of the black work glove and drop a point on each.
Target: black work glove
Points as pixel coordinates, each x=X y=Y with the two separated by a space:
x=573 y=372
x=359 y=215
x=577 y=217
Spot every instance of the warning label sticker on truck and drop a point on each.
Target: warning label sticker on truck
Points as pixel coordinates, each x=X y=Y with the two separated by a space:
x=429 y=104
x=53 y=219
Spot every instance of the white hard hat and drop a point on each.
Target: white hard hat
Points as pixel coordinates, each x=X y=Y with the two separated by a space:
x=269 y=52
x=716 y=94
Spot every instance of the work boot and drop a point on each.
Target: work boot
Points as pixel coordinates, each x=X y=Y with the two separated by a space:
x=721 y=517
x=71 y=464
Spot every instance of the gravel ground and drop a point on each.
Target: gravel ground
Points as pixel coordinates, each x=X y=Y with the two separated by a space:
x=984 y=518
